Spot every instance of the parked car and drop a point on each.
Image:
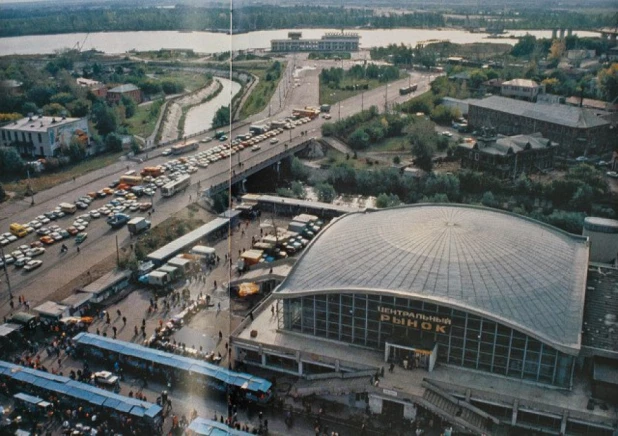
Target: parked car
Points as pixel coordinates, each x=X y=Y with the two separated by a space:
x=105 y=378
x=81 y=237
x=33 y=264
x=22 y=261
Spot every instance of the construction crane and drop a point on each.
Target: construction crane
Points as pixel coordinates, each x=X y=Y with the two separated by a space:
x=79 y=47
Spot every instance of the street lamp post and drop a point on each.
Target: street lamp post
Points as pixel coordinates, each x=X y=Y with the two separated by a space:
x=6 y=273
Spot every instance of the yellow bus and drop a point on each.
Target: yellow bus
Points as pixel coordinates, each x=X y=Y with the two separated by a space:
x=130 y=180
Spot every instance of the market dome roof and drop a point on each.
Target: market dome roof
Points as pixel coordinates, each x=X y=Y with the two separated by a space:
x=517 y=271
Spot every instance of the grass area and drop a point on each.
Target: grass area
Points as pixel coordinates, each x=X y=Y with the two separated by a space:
x=334 y=157
x=190 y=80
x=261 y=93
x=400 y=144
x=47 y=181
x=145 y=118
x=332 y=96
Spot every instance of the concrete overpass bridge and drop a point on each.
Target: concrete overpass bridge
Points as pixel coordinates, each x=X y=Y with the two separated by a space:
x=247 y=162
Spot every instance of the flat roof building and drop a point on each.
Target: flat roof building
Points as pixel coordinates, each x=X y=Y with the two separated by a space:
x=42 y=136
x=333 y=41
x=474 y=299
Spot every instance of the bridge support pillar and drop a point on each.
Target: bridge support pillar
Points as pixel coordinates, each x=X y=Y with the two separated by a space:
x=561 y=33
x=554 y=33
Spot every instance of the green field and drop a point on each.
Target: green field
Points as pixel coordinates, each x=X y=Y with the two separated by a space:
x=47 y=181
x=332 y=96
x=260 y=93
x=145 y=118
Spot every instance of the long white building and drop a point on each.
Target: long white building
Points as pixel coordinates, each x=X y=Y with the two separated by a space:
x=42 y=136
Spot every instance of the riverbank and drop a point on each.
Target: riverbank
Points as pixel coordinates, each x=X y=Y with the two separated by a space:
x=211 y=42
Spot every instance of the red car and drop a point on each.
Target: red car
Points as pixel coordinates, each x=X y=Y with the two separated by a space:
x=47 y=240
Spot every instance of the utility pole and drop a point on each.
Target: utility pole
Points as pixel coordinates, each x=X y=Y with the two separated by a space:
x=362 y=101
x=6 y=273
x=30 y=191
x=117 y=252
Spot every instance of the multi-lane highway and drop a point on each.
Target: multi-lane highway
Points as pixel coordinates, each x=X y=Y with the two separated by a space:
x=59 y=269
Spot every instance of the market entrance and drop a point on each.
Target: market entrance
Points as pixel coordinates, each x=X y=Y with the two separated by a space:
x=409 y=357
x=392 y=410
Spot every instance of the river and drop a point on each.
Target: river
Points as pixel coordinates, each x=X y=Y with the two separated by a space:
x=209 y=42
x=200 y=117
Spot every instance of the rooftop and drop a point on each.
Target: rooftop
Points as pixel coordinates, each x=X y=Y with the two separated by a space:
x=553 y=113
x=524 y=83
x=512 y=144
x=514 y=270
x=601 y=309
x=124 y=88
x=38 y=123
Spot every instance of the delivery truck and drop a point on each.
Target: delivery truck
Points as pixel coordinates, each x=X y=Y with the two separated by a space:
x=138 y=225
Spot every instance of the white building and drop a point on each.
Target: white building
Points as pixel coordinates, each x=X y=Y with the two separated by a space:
x=42 y=136
x=522 y=88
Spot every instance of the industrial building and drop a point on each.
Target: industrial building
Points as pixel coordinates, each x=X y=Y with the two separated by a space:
x=329 y=42
x=42 y=136
x=578 y=130
x=478 y=312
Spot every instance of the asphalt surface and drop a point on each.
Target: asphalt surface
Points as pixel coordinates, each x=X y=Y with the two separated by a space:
x=59 y=269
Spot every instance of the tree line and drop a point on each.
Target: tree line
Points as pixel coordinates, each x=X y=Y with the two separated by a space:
x=563 y=203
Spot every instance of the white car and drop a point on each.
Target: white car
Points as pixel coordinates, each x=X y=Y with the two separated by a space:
x=12 y=238
x=95 y=214
x=105 y=378
x=33 y=264
x=167 y=152
x=274 y=140
x=57 y=236
x=23 y=248
x=4 y=242
x=34 y=252
x=8 y=259
x=85 y=217
x=447 y=134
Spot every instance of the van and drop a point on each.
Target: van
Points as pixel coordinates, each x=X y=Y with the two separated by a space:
x=24 y=319
x=18 y=230
x=68 y=207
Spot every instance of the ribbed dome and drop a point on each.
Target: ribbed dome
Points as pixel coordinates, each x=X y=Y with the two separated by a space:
x=502 y=266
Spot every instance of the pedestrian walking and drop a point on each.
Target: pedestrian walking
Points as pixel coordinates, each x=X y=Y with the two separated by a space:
x=118 y=313
x=124 y=320
x=135 y=331
x=220 y=335
x=77 y=250
x=218 y=307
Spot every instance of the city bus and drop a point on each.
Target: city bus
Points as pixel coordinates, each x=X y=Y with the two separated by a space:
x=408 y=89
x=131 y=180
x=175 y=186
x=185 y=148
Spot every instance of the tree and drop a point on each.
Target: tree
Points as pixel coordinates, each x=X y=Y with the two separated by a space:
x=222 y=117
x=10 y=161
x=488 y=199
x=298 y=170
x=62 y=98
x=113 y=142
x=557 y=49
x=298 y=190
x=359 y=139
x=135 y=147
x=525 y=46
x=54 y=109
x=608 y=82
x=76 y=150
x=423 y=153
x=104 y=118
x=387 y=200
x=582 y=199
x=129 y=106
x=80 y=107
x=444 y=115
x=2 y=193
x=326 y=192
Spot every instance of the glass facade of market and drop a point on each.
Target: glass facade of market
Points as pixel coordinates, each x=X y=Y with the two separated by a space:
x=371 y=320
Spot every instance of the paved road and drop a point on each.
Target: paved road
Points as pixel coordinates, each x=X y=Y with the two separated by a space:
x=60 y=269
